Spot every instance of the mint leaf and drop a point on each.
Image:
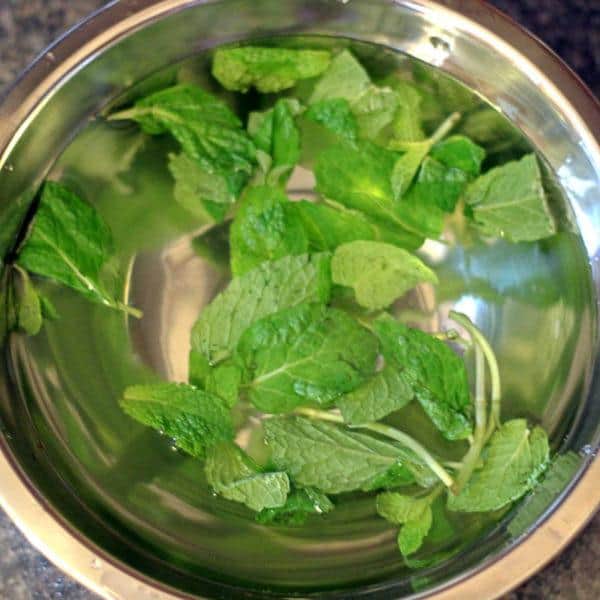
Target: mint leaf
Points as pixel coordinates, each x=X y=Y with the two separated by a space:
x=233 y=475
x=336 y=115
x=307 y=354
x=224 y=381
x=386 y=392
x=266 y=227
x=270 y=287
x=437 y=375
x=379 y=273
x=299 y=505
x=509 y=201
x=29 y=305
x=515 y=457
x=413 y=513
x=208 y=132
x=345 y=78
x=69 y=243
x=328 y=227
x=359 y=178
x=203 y=193
x=275 y=133
x=267 y=69
x=374 y=110
x=353 y=459
x=399 y=475
x=459 y=152
x=194 y=419
x=406 y=125
x=438 y=186
x=407 y=166
x=413 y=533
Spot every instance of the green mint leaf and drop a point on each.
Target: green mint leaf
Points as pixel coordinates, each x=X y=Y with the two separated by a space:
x=406 y=167
x=208 y=132
x=438 y=185
x=193 y=418
x=69 y=243
x=345 y=78
x=509 y=201
x=406 y=125
x=359 y=178
x=29 y=306
x=515 y=457
x=224 y=381
x=327 y=227
x=459 y=152
x=325 y=456
x=266 y=227
x=271 y=287
x=374 y=110
x=399 y=475
x=414 y=514
x=386 y=392
x=413 y=533
x=379 y=273
x=307 y=354
x=561 y=471
x=436 y=373
x=203 y=193
x=299 y=505
x=274 y=132
x=233 y=475
x=267 y=69
x=336 y=115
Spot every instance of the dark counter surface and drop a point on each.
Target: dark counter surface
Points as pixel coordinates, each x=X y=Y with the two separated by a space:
x=570 y=27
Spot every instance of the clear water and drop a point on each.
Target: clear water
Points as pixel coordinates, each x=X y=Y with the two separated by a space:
x=532 y=300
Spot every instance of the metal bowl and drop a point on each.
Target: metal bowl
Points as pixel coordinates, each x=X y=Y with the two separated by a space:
x=51 y=491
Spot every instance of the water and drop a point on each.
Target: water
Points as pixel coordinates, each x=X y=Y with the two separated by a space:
x=532 y=300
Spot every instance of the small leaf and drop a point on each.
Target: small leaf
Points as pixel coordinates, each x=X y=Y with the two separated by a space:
x=265 y=228
x=413 y=533
x=29 y=307
x=233 y=475
x=509 y=201
x=459 y=152
x=515 y=457
x=194 y=419
x=307 y=354
x=224 y=381
x=406 y=167
x=400 y=509
x=379 y=273
x=374 y=110
x=267 y=69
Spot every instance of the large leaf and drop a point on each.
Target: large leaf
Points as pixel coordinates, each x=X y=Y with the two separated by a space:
x=270 y=287
x=437 y=375
x=307 y=354
x=194 y=419
x=69 y=243
x=266 y=227
x=267 y=69
x=234 y=476
x=509 y=201
x=379 y=273
x=328 y=457
x=515 y=457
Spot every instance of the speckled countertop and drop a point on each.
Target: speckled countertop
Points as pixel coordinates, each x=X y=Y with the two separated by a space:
x=571 y=27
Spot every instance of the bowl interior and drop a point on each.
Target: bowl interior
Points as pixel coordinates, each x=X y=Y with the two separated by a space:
x=122 y=486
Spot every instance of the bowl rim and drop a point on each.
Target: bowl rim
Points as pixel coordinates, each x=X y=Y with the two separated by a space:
x=76 y=555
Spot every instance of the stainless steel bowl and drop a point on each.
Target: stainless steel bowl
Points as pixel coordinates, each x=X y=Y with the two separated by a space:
x=130 y=40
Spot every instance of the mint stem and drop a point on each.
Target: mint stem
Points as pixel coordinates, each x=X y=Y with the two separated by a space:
x=490 y=357
x=442 y=131
x=390 y=432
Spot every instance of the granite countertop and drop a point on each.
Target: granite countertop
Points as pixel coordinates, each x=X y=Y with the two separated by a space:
x=571 y=27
